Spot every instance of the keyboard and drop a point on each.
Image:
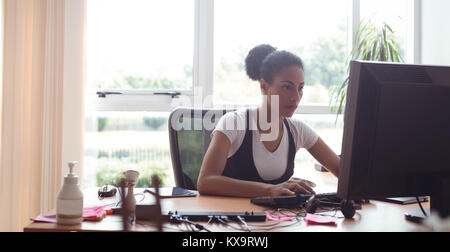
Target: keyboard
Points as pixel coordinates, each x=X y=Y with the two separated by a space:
x=292 y=201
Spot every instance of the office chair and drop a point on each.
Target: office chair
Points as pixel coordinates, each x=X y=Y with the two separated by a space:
x=190 y=135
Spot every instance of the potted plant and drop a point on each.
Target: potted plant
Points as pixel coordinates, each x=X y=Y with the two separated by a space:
x=373 y=43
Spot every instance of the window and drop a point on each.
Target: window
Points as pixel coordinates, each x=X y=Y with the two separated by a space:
x=140 y=44
x=396 y=15
x=317 y=34
x=134 y=47
x=330 y=130
x=138 y=48
x=121 y=141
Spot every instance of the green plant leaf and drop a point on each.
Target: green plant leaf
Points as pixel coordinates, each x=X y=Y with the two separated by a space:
x=373 y=43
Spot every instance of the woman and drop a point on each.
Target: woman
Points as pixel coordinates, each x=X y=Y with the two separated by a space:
x=239 y=162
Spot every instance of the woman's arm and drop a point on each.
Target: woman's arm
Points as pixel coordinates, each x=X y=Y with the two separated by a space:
x=325 y=156
x=211 y=181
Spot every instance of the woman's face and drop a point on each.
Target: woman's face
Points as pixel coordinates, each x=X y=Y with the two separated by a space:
x=288 y=86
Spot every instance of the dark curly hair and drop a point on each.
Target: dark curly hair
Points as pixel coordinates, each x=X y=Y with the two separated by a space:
x=265 y=61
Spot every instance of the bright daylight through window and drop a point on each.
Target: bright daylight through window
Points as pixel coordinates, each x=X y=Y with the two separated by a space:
x=134 y=45
x=143 y=46
x=317 y=34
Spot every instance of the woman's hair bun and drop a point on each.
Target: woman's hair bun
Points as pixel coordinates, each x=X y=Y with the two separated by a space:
x=255 y=59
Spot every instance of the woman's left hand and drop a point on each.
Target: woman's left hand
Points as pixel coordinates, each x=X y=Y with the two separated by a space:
x=308 y=185
x=303 y=182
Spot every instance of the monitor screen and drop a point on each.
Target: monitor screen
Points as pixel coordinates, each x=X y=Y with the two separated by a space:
x=396 y=132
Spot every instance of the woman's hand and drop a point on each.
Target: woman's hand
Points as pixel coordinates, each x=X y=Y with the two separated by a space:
x=291 y=187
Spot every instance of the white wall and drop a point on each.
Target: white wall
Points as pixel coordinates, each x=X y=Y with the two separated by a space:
x=73 y=96
x=436 y=32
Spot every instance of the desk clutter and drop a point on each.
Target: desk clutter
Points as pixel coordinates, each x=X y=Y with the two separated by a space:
x=140 y=210
x=310 y=202
x=132 y=212
x=317 y=209
x=266 y=221
x=249 y=221
x=89 y=214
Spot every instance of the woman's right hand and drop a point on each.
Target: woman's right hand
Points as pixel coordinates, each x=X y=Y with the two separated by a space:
x=291 y=187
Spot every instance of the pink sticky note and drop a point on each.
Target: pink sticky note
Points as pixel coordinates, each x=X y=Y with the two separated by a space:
x=271 y=217
x=45 y=218
x=93 y=212
x=320 y=219
x=89 y=212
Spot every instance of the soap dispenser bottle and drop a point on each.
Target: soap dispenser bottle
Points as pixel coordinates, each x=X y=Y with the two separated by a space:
x=69 y=204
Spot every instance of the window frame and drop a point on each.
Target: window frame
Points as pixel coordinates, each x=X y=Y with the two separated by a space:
x=203 y=66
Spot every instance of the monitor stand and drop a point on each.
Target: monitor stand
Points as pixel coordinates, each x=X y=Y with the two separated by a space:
x=416 y=215
x=439 y=202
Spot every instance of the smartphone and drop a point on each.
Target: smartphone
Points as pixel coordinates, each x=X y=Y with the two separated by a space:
x=172 y=192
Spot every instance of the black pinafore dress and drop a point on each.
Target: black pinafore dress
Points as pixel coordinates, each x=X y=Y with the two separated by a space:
x=241 y=165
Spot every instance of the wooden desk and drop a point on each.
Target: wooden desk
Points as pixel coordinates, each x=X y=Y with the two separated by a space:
x=376 y=216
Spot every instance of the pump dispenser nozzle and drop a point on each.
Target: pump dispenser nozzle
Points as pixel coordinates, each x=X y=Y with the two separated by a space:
x=71 y=167
x=71 y=177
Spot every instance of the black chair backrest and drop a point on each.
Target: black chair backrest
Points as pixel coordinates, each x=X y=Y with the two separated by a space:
x=190 y=134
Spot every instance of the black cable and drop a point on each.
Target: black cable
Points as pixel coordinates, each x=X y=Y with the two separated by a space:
x=179 y=219
x=420 y=204
x=187 y=223
x=277 y=226
x=297 y=214
x=270 y=227
x=199 y=226
x=228 y=224
x=301 y=213
x=242 y=220
x=140 y=194
x=330 y=210
x=136 y=194
x=210 y=219
x=190 y=226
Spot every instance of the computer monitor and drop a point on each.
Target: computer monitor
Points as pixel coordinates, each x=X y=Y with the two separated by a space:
x=397 y=133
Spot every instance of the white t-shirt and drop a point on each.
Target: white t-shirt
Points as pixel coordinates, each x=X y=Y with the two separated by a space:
x=270 y=165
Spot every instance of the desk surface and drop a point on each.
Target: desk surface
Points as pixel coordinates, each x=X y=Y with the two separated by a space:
x=376 y=216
